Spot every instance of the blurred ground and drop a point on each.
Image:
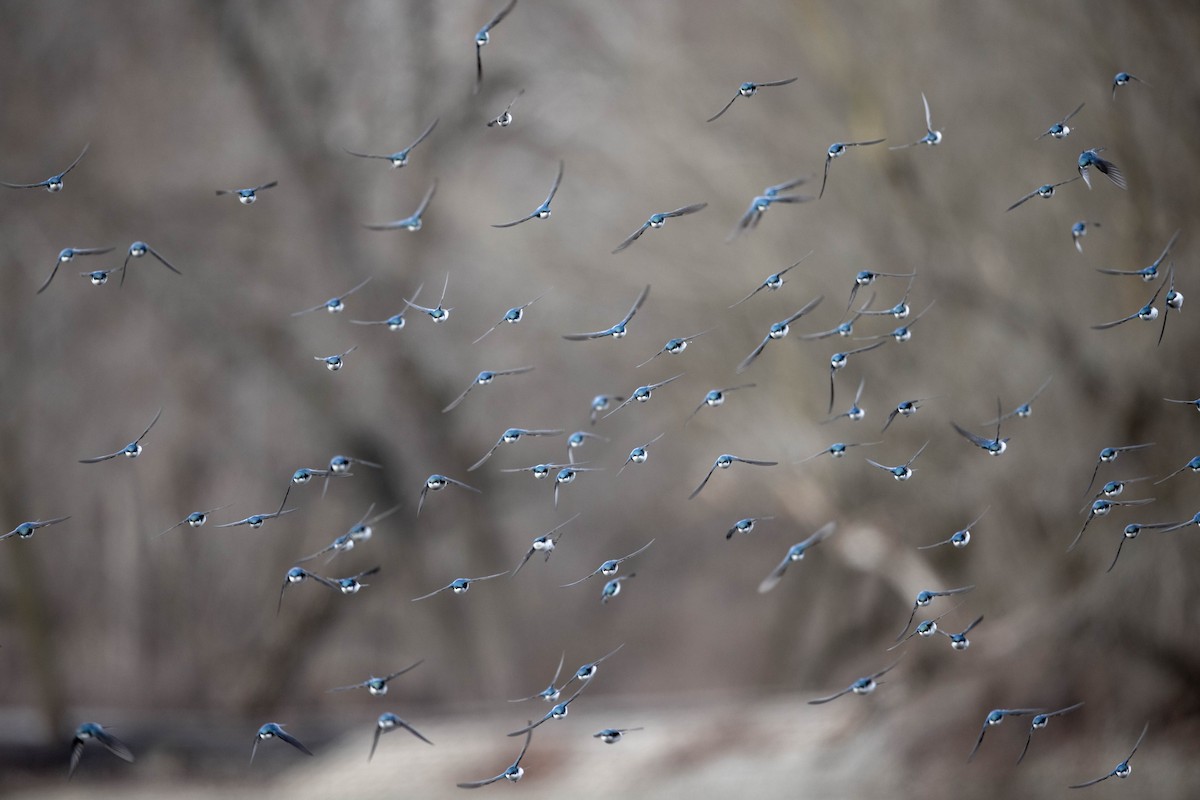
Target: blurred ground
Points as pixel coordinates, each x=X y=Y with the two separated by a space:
x=180 y=99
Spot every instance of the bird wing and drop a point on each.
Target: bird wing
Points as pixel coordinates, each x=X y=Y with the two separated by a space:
x=692 y=209
x=1022 y=200
x=425 y=135
x=486 y=456
x=98 y=459
x=525 y=218
x=821 y=700
x=748 y=360
x=454 y=403
x=637 y=304
x=293 y=741
x=425 y=200
x=821 y=535
x=431 y=594
x=768 y=583
x=633 y=237
x=704 y=482
x=77 y=746
x=375 y=742
x=723 y=110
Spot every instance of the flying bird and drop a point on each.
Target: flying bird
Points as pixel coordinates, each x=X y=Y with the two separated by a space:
x=1039 y=722
x=639 y=454
x=412 y=222
x=558 y=712
x=249 y=195
x=1091 y=158
x=778 y=330
x=435 y=483
x=864 y=685
x=484 y=36
x=839 y=360
x=400 y=157
x=613 y=735
x=333 y=305
x=836 y=150
x=1123 y=79
x=544 y=544
x=484 y=379
x=1046 y=190
x=550 y=693
x=137 y=250
x=512 y=435
x=960 y=538
x=511 y=317
x=460 y=585
x=542 y=211
x=513 y=773
x=927 y=596
x=67 y=254
x=1025 y=409
x=1079 y=230
x=610 y=567
x=1147 y=313
x=90 y=731
x=643 y=393
x=55 y=182
x=932 y=137
x=997 y=716
x=1060 y=129
x=674 y=346
x=762 y=202
x=992 y=447
x=377 y=686
x=438 y=313
x=725 y=461
x=716 y=397
x=773 y=281
x=1122 y=770
x=335 y=362
x=749 y=89
x=616 y=331
x=1101 y=508
x=196 y=519
x=387 y=723
x=588 y=671
x=26 y=529
x=613 y=587
x=657 y=221
x=959 y=641
x=273 y=730
x=795 y=553
x=131 y=450
x=506 y=118
x=745 y=525
x=905 y=408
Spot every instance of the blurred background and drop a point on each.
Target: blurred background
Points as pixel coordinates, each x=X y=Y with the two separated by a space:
x=173 y=641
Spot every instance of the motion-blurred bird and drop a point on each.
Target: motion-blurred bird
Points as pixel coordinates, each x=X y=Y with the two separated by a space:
x=90 y=731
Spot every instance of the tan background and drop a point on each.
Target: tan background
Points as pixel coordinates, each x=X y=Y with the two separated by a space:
x=175 y=641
